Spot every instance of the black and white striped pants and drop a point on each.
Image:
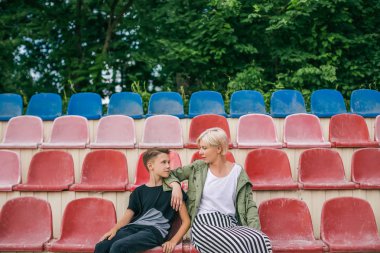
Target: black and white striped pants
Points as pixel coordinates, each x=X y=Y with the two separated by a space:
x=219 y=233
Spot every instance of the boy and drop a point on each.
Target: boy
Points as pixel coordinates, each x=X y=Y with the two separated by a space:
x=147 y=220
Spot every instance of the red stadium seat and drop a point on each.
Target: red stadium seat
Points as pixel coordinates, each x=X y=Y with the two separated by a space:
x=365 y=168
x=229 y=156
x=377 y=129
x=200 y=123
x=303 y=130
x=256 y=131
x=84 y=222
x=162 y=131
x=68 y=132
x=322 y=169
x=269 y=169
x=49 y=171
x=25 y=224
x=10 y=170
x=115 y=131
x=23 y=132
x=349 y=130
x=287 y=222
x=348 y=225
x=103 y=170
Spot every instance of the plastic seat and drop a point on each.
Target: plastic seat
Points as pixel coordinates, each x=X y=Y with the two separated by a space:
x=349 y=130
x=322 y=169
x=256 y=131
x=348 y=225
x=162 y=131
x=202 y=122
x=365 y=102
x=126 y=103
x=85 y=104
x=286 y=102
x=206 y=102
x=326 y=103
x=23 y=132
x=10 y=106
x=49 y=171
x=246 y=102
x=287 y=222
x=142 y=175
x=303 y=130
x=269 y=169
x=84 y=222
x=377 y=129
x=68 y=132
x=115 y=131
x=103 y=170
x=229 y=156
x=169 y=103
x=10 y=170
x=365 y=168
x=25 y=224
x=47 y=106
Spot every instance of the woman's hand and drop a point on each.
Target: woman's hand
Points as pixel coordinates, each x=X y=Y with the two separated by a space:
x=168 y=247
x=176 y=200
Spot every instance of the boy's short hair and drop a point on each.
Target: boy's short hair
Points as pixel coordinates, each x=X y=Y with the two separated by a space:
x=215 y=137
x=153 y=153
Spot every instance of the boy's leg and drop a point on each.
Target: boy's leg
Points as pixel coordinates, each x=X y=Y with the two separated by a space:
x=105 y=245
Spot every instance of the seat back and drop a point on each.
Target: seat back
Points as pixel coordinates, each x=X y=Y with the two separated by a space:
x=246 y=102
x=10 y=106
x=365 y=102
x=126 y=103
x=47 y=106
x=10 y=170
x=70 y=129
x=169 y=103
x=116 y=129
x=365 y=166
x=229 y=156
x=24 y=129
x=286 y=102
x=377 y=129
x=206 y=102
x=286 y=219
x=348 y=128
x=85 y=104
x=302 y=127
x=327 y=102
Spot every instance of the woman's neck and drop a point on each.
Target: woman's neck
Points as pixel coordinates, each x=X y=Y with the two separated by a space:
x=220 y=167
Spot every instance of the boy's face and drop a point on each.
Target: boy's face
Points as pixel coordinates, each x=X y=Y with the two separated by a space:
x=160 y=165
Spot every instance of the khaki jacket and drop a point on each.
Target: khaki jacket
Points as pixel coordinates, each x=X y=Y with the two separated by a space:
x=246 y=209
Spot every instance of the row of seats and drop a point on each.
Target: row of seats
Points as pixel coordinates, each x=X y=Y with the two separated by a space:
x=324 y=103
x=268 y=169
x=347 y=225
x=253 y=131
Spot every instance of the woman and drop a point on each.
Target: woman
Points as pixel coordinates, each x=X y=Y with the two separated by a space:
x=223 y=215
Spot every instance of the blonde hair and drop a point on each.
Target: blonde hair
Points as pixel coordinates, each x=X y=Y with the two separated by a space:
x=215 y=137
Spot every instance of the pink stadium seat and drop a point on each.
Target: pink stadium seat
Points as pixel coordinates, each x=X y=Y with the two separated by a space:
x=23 y=132
x=348 y=225
x=322 y=169
x=162 y=131
x=49 y=171
x=68 y=132
x=229 y=156
x=25 y=224
x=202 y=122
x=349 y=130
x=256 y=131
x=142 y=175
x=84 y=222
x=377 y=129
x=10 y=170
x=303 y=130
x=103 y=170
x=287 y=222
x=269 y=169
x=365 y=168
x=115 y=131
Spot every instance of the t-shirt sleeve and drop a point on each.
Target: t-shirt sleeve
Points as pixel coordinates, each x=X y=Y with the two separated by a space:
x=134 y=202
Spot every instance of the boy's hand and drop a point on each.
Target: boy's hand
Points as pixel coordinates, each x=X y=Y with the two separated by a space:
x=176 y=200
x=168 y=247
x=109 y=235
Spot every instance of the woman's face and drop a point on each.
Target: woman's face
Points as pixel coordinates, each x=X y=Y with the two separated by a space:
x=208 y=153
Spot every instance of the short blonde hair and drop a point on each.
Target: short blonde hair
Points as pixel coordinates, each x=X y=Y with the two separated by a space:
x=215 y=137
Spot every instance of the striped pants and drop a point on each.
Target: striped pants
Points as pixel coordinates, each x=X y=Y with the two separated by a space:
x=219 y=233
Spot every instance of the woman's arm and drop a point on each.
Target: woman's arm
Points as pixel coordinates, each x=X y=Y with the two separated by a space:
x=127 y=217
x=251 y=210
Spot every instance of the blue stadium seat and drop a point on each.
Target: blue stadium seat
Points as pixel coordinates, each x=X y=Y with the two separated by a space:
x=246 y=102
x=47 y=106
x=126 y=103
x=286 y=102
x=169 y=103
x=206 y=102
x=86 y=104
x=365 y=102
x=10 y=106
x=326 y=103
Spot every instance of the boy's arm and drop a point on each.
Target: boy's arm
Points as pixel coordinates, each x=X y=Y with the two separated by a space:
x=127 y=217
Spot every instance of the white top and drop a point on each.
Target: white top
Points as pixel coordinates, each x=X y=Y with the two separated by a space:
x=219 y=193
